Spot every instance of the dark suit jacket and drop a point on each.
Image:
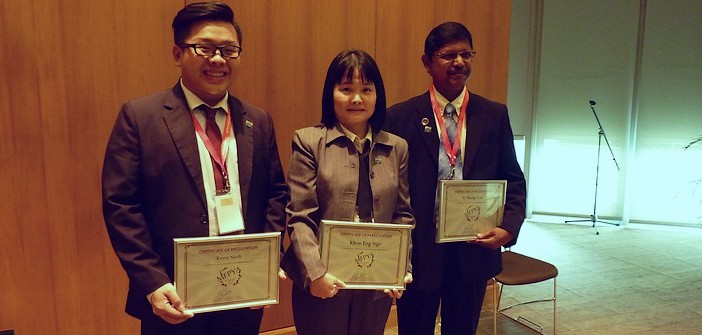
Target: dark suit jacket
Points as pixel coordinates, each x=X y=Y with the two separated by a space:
x=153 y=190
x=489 y=155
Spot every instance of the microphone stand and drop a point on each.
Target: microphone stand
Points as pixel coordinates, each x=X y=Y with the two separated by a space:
x=600 y=134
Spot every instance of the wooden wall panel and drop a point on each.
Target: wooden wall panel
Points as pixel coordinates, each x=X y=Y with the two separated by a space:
x=405 y=25
x=17 y=161
x=68 y=65
x=288 y=46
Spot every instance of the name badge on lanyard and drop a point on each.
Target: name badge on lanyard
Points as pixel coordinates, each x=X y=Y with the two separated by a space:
x=227 y=210
x=229 y=216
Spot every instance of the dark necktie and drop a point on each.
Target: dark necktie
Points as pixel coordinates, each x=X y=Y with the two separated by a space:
x=444 y=164
x=364 y=200
x=215 y=137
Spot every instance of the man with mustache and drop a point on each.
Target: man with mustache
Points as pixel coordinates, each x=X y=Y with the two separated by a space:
x=453 y=275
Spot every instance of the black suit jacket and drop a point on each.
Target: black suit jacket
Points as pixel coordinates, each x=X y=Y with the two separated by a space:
x=153 y=190
x=489 y=154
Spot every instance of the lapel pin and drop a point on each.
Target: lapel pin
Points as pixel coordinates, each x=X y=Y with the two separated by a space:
x=425 y=123
x=249 y=124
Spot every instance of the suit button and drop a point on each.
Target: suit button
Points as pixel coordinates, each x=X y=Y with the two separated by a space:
x=372 y=175
x=203 y=218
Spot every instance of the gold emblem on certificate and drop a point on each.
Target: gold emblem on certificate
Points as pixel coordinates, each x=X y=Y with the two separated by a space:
x=227 y=272
x=469 y=207
x=366 y=255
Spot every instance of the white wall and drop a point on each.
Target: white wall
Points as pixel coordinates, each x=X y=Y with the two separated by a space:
x=641 y=62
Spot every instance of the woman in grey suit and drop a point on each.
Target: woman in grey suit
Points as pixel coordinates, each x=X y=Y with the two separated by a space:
x=345 y=169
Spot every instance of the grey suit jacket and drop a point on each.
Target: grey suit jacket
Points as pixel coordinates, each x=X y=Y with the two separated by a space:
x=153 y=190
x=323 y=182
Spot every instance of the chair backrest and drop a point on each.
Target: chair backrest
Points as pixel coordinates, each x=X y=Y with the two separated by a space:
x=519 y=269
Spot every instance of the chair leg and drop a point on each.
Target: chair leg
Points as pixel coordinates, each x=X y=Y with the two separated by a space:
x=554 y=305
x=495 y=302
x=534 y=326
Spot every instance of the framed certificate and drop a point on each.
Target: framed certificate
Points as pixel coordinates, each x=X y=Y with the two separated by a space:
x=469 y=207
x=366 y=255
x=227 y=272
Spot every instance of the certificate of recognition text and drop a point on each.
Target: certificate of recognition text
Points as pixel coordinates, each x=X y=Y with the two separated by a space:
x=366 y=255
x=469 y=207
x=227 y=272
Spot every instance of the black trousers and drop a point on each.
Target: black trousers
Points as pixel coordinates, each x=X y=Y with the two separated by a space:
x=461 y=302
x=244 y=321
x=350 y=312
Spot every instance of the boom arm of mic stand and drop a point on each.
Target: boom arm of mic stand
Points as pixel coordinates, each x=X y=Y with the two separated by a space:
x=602 y=132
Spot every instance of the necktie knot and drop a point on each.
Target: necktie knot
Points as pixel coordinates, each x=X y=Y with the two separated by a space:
x=362 y=145
x=210 y=121
x=210 y=113
x=449 y=111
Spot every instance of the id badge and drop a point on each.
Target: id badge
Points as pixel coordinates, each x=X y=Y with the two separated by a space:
x=229 y=218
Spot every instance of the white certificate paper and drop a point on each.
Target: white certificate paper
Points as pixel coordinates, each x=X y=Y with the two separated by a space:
x=469 y=207
x=227 y=272
x=366 y=255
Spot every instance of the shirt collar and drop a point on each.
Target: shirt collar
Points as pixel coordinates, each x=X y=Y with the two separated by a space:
x=353 y=136
x=442 y=101
x=194 y=101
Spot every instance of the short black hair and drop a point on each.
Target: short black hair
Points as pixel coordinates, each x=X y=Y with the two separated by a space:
x=342 y=67
x=202 y=11
x=447 y=32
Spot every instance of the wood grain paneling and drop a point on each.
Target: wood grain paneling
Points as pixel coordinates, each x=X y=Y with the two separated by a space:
x=288 y=46
x=403 y=26
x=66 y=67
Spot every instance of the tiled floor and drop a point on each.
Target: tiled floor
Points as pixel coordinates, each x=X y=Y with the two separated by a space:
x=639 y=279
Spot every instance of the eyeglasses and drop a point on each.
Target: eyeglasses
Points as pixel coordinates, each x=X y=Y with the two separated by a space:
x=209 y=50
x=466 y=55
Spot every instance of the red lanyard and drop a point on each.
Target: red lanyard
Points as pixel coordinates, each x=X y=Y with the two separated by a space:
x=220 y=158
x=450 y=152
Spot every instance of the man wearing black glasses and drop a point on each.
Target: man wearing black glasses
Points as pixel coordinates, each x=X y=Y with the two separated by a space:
x=456 y=135
x=175 y=158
